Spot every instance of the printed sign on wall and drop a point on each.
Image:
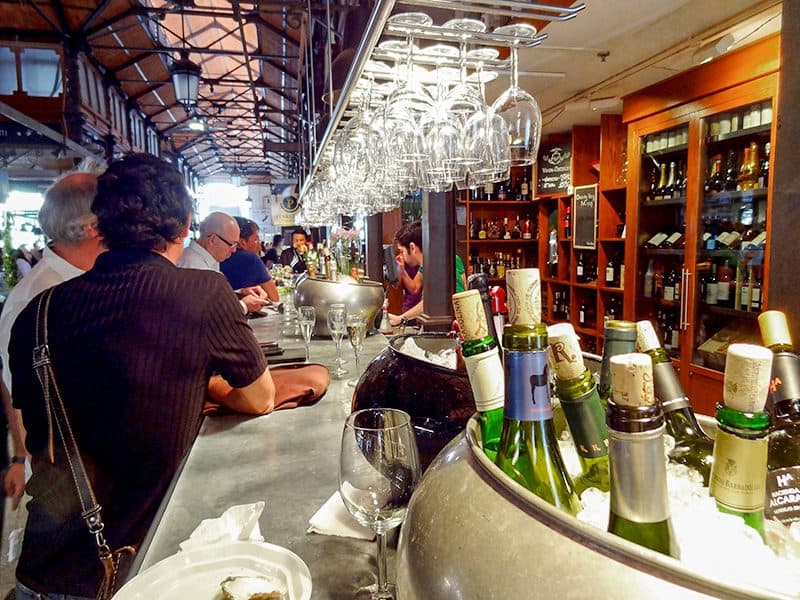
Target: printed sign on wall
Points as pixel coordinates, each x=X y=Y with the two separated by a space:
x=554 y=171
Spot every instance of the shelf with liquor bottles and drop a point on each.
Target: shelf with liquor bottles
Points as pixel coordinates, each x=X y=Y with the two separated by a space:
x=699 y=218
x=501 y=227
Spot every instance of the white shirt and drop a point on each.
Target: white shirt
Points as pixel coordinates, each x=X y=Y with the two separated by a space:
x=196 y=257
x=48 y=272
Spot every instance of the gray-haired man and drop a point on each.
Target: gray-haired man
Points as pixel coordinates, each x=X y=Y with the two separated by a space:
x=67 y=220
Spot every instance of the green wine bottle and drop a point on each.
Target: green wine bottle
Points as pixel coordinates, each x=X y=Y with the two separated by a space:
x=528 y=450
x=693 y=447
x=620 y=338
x=639 y=509
x=782 y=502
x=577 y=391
x=739 y=471
x=484 y=368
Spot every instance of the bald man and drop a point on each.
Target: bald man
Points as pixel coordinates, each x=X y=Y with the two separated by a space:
x=67 y=220
x=219 y=238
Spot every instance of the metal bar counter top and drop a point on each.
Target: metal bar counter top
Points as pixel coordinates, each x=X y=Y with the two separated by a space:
x=289 y=459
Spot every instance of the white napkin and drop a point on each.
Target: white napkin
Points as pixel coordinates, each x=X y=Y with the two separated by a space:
x=334 y=519
x=238 y=523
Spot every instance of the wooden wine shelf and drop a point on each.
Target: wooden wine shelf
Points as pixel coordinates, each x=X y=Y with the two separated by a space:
x=644 y=202
x=723 y=137
x=586 y=286
x=729 y=312
x=500 y=241
x=612 y=239
x=530 y=203
x=613 y=290
x=662 y=251
x=722 y=198
x=586 y=330
x=666 y=151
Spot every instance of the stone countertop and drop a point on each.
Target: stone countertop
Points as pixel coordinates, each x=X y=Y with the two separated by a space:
x=289 y=459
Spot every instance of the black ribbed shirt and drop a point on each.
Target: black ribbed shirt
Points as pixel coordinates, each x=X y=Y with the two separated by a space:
x=133 y=343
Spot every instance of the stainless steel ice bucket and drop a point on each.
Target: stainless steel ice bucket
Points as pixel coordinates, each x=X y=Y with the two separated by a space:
x=366 y=297
x=472 y=532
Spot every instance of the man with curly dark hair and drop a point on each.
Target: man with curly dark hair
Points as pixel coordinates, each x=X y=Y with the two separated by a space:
x=134 y=343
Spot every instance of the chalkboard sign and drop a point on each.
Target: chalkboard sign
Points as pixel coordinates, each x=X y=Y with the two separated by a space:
x=584 y=210
x=554 y=174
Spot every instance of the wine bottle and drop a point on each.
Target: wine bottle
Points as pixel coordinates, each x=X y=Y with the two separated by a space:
x=620 y=338
x=656 y=240
x=528 y=450
x=480 y=282
x=724 y=277
x=763 y=171
x=647 y=292
x=568 y=222
x=577 y=392
x=715 y=182
x=639 y=502
x=693 y=447
x=580 y=277
x=669 y=187
x=729 y=184
x=524 y=189
x=662 y=183
x=582 y=312
x=783 y=456
x=739 y=470
x=611 y=272
x=712 y=289
x=484 y=369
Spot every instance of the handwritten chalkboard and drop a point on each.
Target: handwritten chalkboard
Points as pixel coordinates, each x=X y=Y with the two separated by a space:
x=584 y=210
x=553 y=173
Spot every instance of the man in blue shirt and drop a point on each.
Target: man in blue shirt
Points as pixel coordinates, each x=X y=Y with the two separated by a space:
x=244 y=268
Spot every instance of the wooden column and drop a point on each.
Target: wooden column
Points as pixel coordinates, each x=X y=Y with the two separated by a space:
x=374 y=258
x=782 y=293
x=438 y=281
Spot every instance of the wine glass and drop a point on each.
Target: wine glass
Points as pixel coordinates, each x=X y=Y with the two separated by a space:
x=306 y=319
x=378 y=471
x=337 y=324
x=356 y=332
x=517 y=107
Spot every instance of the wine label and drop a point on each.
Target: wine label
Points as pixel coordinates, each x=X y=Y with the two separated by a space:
x=527 y=390
x=609 y=274
x=738 y=472
x=774 y=328
x=470 y=314
x=524 y=296
x=782 y=500
x=587 y=424
x=723 y=291
x=785 y=381
x=674 y=237
x=712 y=293
x=646 y=337
x=669 y=293
x=579 y=270
x=485 y=372
x=565 y=351
x=748 y=371
x=638 y=476
x=667 y=387
x=632 y=379
x=657 y=239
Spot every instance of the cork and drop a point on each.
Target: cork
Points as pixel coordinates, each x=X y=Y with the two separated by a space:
x=646 y=337
x=524 y=296
x=748 y=371
x=471 y=316
x=565 y=351
x=774 y=328
x=632 y=379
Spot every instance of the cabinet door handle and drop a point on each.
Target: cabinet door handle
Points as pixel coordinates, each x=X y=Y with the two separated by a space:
x=687 y=275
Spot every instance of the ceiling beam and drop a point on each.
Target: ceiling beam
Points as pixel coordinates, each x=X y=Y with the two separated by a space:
x=98 y=10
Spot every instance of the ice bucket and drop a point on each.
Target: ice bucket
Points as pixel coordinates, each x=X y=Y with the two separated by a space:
x=472 y=532
x=438 y=399
x=365 y=297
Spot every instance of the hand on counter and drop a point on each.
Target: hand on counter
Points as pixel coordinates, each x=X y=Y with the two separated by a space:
x=252 y=302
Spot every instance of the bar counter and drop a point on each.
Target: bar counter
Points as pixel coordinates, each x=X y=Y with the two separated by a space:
x=289 y=459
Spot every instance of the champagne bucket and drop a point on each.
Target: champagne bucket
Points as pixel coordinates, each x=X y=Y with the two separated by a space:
x=366 y=298
x=472 y=532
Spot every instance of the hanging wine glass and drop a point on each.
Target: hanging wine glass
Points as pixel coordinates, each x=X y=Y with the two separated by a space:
x=517 y=107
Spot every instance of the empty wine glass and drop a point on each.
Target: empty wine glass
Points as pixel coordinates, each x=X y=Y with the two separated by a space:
x=356 y=332
x=378 y=471
x=337 y=324
x=517 y=107
x=306 y=319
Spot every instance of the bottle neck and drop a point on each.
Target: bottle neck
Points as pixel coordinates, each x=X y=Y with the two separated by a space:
x=741 y=424
x=576 y=386
x=473 y=347
x=525 y=338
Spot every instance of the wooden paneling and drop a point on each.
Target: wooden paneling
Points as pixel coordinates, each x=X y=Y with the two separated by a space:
x=704 y=389
x=731 y=69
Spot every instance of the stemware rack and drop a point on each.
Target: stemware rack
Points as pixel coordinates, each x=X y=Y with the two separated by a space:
x=379 y=25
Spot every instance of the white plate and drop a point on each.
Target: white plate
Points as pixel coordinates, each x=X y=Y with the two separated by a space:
x=197 y=574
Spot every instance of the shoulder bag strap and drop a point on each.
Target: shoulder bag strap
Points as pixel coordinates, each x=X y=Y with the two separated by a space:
x=56 y=413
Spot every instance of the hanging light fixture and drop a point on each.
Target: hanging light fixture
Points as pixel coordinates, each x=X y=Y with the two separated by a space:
x=185 y=74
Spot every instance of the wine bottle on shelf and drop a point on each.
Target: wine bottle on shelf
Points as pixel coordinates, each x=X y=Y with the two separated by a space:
x=724 y=278
x=712 y=289
x=580 y=275
x=552 y=254
x=527 y=228
x=639 y=509
x=488 y=190
x=716 y=181
x=647 y=292
x=693 y=447
x=656 y=241
x=582 y=314
x=482 y=231
x=529 y=451
x=611 y=272
x=620 y=338
x=763 y=171
x=577 y=391
x=739 y=470
x=669 y=286
x=783 y=459
x=755 y=295
x=484 y=368
x=524 y=190
x=568 y=222
x=516 y=234
x=729 y=184
x=669 y=188
x=662 y=183
x=745 y=293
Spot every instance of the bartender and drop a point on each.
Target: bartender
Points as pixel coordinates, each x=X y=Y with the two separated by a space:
x=295 y=257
